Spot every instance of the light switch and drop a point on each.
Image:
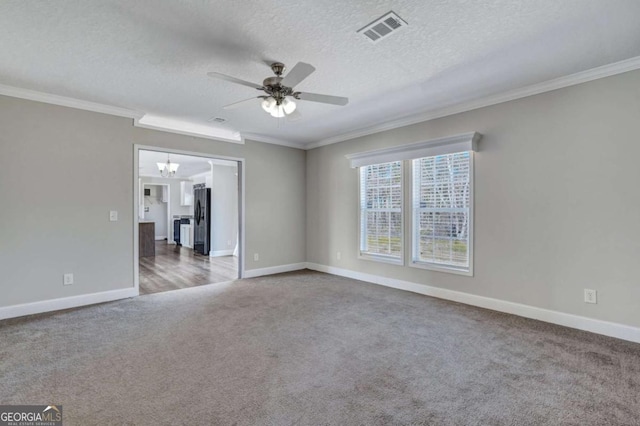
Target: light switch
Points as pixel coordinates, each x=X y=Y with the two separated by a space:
x=67 y=279
x=113 y=215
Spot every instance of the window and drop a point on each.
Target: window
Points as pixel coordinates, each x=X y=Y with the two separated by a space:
x=381 y=211
x=442 y=213
x=441 y=202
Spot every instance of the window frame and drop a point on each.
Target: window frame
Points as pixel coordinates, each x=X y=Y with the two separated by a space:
x=464 y=142
x=415 y=230
x=381 y=257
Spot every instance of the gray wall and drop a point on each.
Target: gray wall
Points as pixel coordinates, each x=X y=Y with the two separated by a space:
x=174 y=198
x=273 y=205
x=224 y=208
x=62 y=170
x=556 y=200
x=157 y=210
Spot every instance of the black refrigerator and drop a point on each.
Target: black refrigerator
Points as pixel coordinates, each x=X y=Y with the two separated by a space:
x=201 y=220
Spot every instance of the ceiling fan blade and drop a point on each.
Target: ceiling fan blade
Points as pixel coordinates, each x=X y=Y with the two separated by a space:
x=298 y=73
x=234 y=80
x=325 y=99
x=240 y=103
x=294 y=116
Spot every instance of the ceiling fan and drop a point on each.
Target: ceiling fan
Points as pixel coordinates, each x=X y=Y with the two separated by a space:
x=279 y=90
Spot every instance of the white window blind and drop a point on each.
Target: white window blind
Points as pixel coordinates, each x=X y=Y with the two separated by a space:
x=442 y=210
x=381 y=210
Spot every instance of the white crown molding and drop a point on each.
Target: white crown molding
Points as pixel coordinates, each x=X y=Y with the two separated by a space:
x=429 y=148
x=140 y=118
x=252 y=273
x=266 y=139
x=180 y=127
x=21 y=310
x=47 y=98
x=193 y=129
x=620 y=331
x=523 y=92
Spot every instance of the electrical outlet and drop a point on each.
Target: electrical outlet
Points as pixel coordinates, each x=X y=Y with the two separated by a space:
x=113 y=215
x=256 y=257
x=338 y=255
x=67 y=279
x=228 y=243
x=590 y=296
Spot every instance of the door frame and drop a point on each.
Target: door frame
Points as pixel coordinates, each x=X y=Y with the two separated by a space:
x=136 y=197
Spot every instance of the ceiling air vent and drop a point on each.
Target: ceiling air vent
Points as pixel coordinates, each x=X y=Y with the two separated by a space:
x=382 y=27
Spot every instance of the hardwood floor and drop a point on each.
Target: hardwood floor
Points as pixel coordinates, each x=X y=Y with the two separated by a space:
x=174 y=267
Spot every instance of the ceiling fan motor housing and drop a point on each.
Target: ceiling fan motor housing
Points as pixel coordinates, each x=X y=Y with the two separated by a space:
x=278 y=68
x=272 y=86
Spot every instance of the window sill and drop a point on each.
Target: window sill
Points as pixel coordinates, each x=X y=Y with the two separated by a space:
x=442 y=268
x=381 y=259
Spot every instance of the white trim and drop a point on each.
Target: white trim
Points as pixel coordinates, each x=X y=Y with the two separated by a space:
x=442 y=268
x=606 y=328
x=185 y=152
x=380 y=257
x=241 y=203
x=65 y=303
x=137 y=185
x=390 y=260
x=160 y=238
x=141 y=119
x=241 y=219
x=182 y=127
x=219 y=253
x=414 y=241
x=273 y=141
x=252 y=273
x=47 y=98
x=439 y=146
x=604 y=71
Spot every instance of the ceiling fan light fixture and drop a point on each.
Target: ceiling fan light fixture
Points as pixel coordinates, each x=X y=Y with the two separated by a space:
x=288 y=106
x=268 y=104
x=278 y=111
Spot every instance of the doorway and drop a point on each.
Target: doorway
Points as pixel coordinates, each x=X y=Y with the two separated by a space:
x=197 y=201
x=156 y=208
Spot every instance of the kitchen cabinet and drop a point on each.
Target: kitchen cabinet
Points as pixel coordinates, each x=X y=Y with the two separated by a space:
x=146 y=239
x=186 y=236
x=186 y=193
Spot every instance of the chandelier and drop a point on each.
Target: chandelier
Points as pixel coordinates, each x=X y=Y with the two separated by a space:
x=168 y=169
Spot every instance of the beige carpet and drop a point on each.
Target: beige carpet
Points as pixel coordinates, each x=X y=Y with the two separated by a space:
x=308 y=348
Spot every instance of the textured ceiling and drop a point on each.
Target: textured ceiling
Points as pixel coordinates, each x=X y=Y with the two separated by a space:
x=153 y=56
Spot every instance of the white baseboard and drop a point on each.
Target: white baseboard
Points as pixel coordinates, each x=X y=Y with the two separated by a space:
x=218 y=253
x=606 y=328
x=160 y=238
x=65 y=303
x=252 y=273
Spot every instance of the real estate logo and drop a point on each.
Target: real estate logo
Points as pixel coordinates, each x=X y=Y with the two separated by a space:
x=30 y=415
